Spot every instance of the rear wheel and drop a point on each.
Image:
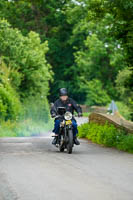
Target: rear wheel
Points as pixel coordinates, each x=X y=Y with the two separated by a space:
x=70 y=141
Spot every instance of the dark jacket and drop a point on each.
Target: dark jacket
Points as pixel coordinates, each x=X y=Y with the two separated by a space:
x=69 y=104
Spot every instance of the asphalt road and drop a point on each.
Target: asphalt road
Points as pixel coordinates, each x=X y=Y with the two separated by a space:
x=32 y=169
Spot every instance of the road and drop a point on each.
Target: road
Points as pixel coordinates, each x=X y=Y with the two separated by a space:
x=32 y=169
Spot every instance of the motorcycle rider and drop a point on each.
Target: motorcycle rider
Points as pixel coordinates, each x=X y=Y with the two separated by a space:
x=70 y=105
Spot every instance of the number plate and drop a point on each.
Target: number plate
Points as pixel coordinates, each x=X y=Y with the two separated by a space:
x=68 y=122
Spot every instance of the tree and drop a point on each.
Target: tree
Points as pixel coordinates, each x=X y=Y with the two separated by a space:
x=123 y=82
x=48 y=19
x=25 y=56
x=69 y=26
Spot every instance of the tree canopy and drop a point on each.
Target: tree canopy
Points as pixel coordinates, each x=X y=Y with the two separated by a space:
x=90 y=46
x=24 y=69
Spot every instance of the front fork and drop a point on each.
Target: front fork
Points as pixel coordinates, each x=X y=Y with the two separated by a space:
x=66 y=128
x=66 y=131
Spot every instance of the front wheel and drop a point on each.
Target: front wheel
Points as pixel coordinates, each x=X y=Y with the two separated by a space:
x=61 y=146
x=70 y=141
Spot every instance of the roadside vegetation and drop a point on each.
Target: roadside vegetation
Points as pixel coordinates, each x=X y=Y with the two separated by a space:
x=124 y=110
x=24 y=128
x=107 y=135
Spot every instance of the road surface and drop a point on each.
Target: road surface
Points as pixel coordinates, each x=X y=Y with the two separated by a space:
x=32 y=169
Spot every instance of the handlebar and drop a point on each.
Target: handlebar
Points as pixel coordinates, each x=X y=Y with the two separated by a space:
x=59 y=116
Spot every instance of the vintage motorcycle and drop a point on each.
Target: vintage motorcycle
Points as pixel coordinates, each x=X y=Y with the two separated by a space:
x=65 y=136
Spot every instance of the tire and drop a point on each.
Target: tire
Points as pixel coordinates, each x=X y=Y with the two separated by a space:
x=61 y=147
x=70 y=141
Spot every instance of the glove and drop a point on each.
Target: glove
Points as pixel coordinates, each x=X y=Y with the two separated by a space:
x=79 y=114
x=53 y=115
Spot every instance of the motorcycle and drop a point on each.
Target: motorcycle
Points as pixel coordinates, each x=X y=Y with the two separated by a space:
x=65 y=136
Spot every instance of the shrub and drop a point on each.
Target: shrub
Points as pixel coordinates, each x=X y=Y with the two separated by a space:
x=10 y=106
x=107 y=135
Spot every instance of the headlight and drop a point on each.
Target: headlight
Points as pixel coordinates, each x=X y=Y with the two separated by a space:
x=68 y=116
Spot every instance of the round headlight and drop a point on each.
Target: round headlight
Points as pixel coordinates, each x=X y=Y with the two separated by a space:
x=68 y=116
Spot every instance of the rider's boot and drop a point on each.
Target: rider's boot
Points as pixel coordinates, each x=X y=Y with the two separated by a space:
x=54 y=142
x=76 y=141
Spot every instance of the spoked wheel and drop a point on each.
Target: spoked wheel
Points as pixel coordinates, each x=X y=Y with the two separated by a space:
x=70 y=141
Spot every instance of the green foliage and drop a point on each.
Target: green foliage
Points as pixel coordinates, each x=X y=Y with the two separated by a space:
x=37 y=110
x=48 y=19
x=96 y=95
x=24 y=128
x=87 y=40
x=7 y=129
x=100 y=56
x=122 y=82
x=100 y=32
x=90 y=50
x=107 y=135
x=27 y=55
x=25 y=76
x=124 y=110
x=10 y=106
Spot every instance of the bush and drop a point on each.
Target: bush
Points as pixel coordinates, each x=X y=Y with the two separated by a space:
x=10 y=106
x=107 y=135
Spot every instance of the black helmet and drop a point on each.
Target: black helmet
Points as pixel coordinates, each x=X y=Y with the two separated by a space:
x=63 y=92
